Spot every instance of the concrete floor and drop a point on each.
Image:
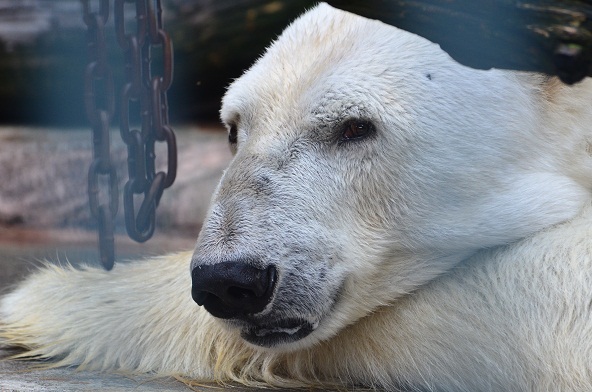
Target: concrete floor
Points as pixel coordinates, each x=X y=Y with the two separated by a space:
x=18 y=376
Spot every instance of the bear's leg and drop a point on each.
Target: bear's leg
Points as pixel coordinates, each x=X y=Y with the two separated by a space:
x=138 y=317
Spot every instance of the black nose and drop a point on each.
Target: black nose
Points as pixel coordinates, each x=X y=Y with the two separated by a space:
x=232 y=289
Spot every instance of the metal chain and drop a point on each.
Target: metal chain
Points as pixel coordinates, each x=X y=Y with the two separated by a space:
x=142 y=85
x=99 y=100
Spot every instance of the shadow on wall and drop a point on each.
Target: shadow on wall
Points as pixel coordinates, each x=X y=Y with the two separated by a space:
x=44 y=178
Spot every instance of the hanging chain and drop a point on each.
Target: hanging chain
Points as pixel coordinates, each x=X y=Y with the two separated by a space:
x=99 y=99
x=148 y=89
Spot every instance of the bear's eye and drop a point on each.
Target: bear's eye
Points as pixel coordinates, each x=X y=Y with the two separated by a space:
x=356 y=129
x=232 y=138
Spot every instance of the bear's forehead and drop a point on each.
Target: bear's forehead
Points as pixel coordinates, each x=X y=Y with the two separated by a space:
x=325 y=56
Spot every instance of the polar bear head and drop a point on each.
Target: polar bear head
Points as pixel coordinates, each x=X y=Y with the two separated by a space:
x=367 y=163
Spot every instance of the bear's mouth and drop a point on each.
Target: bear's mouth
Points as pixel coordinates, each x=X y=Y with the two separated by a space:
x=283 y=332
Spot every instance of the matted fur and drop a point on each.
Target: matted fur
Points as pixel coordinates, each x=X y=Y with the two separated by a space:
x=449 y=250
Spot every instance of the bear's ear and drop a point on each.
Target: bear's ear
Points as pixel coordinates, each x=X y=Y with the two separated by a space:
x=232 y=137
x=232 y=134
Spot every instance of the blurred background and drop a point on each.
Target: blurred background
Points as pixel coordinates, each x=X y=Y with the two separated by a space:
x=45 y=137
x=43 y=54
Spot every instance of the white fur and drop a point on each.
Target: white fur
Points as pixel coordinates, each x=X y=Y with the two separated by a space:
x=450 y=250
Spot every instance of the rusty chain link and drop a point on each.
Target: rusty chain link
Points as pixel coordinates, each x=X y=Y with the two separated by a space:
x=99 y=99
x=142 y=85
x=145 y=86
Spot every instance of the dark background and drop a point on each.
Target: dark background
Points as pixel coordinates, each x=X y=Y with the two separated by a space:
x=43 y=54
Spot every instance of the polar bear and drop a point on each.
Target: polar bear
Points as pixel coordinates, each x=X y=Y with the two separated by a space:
x=391 y=219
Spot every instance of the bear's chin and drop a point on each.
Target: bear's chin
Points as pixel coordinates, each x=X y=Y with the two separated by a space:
x=279 y=333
